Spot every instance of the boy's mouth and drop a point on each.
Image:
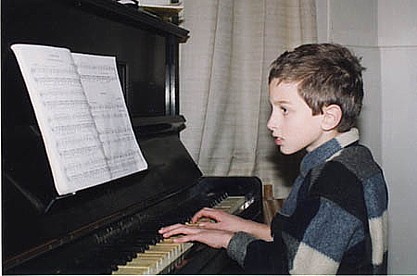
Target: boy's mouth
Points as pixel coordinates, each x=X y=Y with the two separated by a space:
x=278 y=140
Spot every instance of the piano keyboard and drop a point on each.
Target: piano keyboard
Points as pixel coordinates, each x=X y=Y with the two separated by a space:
x=162 y=257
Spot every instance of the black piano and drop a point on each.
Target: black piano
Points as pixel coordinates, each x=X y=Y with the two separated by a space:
x=96 y=230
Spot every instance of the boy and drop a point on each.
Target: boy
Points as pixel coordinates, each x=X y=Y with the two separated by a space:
x=334 y=220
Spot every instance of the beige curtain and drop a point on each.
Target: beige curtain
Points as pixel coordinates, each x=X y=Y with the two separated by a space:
x=223 y=83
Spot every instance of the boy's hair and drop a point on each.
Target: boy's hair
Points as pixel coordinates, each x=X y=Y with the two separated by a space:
x=327 y=74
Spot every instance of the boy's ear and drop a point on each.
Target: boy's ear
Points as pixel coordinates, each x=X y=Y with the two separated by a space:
x=332 y=115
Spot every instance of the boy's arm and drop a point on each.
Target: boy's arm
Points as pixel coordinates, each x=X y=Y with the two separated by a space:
x=328 y=224
x=258 y=256
x=258 y=230
x=328 y=227
x=323 y=234
x=320 y=234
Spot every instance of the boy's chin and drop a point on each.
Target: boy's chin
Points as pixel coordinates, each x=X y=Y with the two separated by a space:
x=287 y=151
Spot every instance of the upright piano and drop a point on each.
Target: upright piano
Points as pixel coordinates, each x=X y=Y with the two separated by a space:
x=100 y=229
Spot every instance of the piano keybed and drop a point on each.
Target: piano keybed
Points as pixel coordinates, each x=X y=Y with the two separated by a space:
x=165 y=255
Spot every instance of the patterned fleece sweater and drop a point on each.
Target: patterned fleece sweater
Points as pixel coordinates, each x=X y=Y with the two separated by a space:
x=333 y=222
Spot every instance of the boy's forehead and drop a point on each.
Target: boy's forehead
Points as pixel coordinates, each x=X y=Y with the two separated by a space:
x=283 y=90
x=286 y=92
x=277 y=85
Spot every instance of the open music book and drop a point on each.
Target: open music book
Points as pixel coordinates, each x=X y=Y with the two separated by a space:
x=82 y=115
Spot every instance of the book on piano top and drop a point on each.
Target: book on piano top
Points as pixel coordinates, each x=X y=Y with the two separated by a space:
x=81 y=113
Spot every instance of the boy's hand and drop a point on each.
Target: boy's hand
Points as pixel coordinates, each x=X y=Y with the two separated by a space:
x=193 y=233
x=209 y=218
x=214 y=228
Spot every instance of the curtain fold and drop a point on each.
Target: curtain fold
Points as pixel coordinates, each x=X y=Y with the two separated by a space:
x=223 y=82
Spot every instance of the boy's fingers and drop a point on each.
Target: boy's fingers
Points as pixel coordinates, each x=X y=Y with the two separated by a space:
x=205 y=214
x=169 y=228
x=181 y=230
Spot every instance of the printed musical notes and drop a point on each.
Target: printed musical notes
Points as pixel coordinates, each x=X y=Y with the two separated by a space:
x=80 y=109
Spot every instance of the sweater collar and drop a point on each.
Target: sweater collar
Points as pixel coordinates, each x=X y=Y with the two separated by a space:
x=328 y=150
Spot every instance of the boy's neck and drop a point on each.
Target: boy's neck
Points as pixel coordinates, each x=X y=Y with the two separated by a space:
x=325 y=137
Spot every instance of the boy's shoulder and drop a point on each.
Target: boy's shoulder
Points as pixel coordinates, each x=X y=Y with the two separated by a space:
x=342 y=178
x=358 y=159
x=355 y=160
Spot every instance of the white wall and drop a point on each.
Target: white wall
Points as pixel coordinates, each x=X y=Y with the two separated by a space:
x=397 y=35
x=384 y=32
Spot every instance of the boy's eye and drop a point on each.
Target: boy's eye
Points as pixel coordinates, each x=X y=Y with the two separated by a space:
x=284 y=110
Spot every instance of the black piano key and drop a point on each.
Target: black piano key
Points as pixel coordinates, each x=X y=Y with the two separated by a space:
x=133 y=246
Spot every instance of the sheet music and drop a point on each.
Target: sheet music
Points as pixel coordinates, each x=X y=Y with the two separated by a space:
x=80 y=155
x=105 y=96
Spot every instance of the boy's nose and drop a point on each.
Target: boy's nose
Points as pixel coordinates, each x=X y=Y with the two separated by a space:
x=271 y=124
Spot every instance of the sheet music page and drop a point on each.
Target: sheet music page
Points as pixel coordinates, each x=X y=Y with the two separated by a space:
x=105 y=96
x=88 y=138
x=74 y=150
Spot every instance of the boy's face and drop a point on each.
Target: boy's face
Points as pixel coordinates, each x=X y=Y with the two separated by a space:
x=291 y=121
